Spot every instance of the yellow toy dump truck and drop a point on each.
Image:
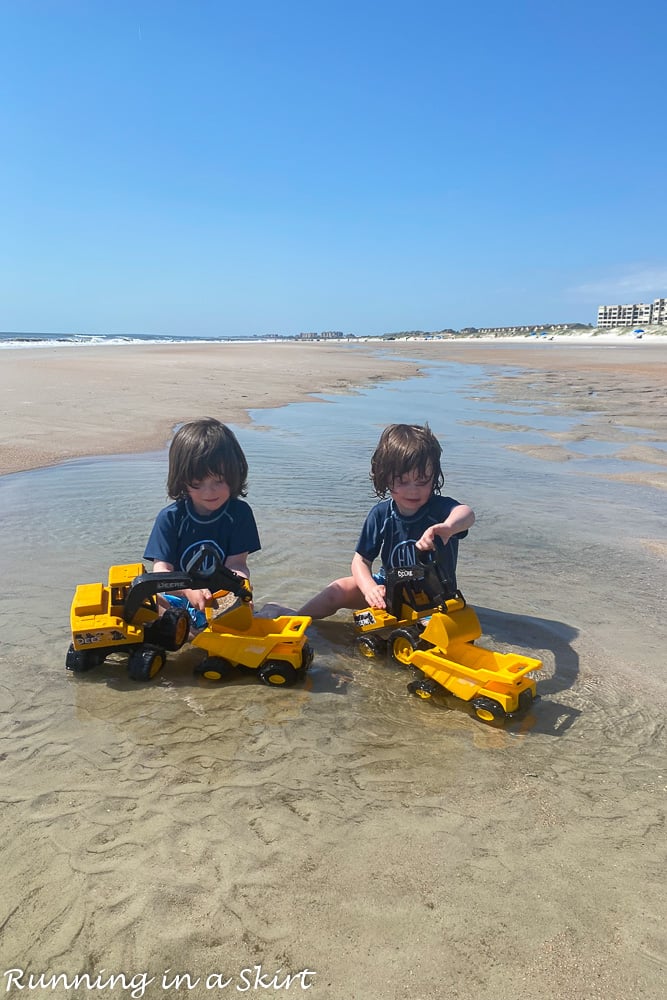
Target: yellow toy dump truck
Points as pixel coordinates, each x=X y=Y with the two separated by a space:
x=429 y=627
x=275 y=649
x=123 y=616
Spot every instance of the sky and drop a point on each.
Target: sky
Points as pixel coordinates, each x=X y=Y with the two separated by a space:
x=213 y=168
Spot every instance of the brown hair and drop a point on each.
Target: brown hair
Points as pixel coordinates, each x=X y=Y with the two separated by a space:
x=405 y=448
x=204 y=448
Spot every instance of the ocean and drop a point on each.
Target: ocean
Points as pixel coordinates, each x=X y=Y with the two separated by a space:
x=10 y=340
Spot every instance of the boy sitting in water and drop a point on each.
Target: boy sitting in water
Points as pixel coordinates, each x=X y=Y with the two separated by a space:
x=405 y=465
x=207 y=477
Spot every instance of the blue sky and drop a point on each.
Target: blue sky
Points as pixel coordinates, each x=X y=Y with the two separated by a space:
x=215 y=168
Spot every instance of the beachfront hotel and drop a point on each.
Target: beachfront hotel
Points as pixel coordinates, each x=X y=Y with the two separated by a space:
x=643 y=313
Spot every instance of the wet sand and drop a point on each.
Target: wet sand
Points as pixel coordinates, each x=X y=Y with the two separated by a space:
x=397 y=848
x=612 y=388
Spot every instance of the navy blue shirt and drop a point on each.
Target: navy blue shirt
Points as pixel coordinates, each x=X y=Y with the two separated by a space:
x=179 y=533
x=390 y=535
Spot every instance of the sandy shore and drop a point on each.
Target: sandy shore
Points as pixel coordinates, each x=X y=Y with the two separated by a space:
x=111 y=400
x=611 y=388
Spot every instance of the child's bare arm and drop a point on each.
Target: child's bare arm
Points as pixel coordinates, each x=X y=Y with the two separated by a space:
x=239 y=564
x=460 y=518
x=373 y=592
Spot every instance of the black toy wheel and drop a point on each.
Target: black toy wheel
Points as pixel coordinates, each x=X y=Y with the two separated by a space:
x=307 y=656
x=145 y=663
x=488 y=710
x=82 y=660
x=422 y=687
x=525 y=701
x=276 y=673
x=402 y=644
x=214 y=668
x=171 y=630
x=371 y=646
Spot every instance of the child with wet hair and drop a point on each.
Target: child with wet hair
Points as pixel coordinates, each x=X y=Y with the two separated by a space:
x=208 y=525
x=407 y=477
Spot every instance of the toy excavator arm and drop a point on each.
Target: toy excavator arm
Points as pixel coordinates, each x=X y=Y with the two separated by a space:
x=220 y=577
x=147 y=585
x=421 y=586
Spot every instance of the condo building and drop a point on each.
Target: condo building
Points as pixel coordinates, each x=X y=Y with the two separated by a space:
x=637 y=313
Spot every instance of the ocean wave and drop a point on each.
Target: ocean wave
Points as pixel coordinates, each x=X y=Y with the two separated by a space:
x=40 y=340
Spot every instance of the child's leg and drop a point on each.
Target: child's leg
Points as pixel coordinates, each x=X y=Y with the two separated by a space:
x=272 y=610
x=342 y=593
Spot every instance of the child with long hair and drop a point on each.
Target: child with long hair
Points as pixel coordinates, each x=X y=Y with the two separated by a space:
x=208 y=525
x=405 y=465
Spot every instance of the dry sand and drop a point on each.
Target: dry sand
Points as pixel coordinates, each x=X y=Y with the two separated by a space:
x=62 y=403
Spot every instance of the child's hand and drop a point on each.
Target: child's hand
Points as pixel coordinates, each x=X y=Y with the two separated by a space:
x=199 y=599
x=374 y=596
x=427 y=540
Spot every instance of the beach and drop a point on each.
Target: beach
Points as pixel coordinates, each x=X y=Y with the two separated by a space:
x=367 y=844
x=108 y=400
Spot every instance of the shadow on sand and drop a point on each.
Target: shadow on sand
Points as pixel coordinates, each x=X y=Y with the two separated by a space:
x=539 y=636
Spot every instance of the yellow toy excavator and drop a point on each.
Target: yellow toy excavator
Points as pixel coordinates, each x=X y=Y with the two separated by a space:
x=123 y=616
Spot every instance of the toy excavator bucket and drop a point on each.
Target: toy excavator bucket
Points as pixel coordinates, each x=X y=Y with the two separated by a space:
x=230 y=612
x=459 y=626
x=219 y=578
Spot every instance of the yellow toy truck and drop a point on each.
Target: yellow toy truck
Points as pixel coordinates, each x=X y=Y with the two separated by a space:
x=123 y=616
x=275 y=649
x=429 y=627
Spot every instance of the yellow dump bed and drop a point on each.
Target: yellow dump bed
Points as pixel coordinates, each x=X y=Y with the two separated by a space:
x=469 y=671
x=243 y=639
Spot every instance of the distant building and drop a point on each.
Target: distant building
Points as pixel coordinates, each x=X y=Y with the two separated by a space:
x=659 y=312
x=324 y=335
x=633 y=314
x=510 y=331
x=504 y=331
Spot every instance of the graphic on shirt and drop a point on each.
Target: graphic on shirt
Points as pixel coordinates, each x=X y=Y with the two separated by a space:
x=204 y=557
x=403 y=554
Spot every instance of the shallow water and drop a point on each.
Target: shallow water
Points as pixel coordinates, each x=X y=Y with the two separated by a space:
x=191 y=826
